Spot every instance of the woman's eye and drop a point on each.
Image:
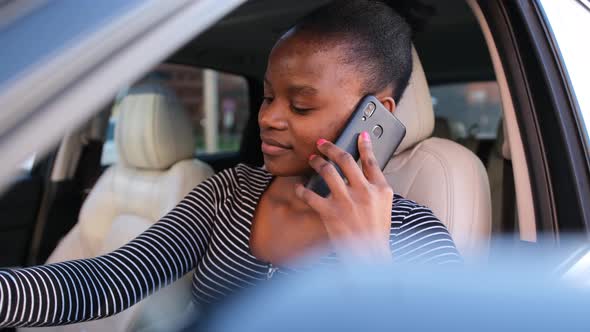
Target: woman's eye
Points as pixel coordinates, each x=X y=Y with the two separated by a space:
x=299 y=110
x=267 y=99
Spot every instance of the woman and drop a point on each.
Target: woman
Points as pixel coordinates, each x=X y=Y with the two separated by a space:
x=246 y=223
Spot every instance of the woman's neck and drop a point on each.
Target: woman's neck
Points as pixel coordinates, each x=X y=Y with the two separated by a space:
x=282 y=191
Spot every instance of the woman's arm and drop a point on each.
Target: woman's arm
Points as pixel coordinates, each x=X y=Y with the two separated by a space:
x=86 y=289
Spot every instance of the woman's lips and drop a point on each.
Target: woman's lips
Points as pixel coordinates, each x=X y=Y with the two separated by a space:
x=273 y=150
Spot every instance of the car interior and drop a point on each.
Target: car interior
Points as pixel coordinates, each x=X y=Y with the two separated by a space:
x=196 y=114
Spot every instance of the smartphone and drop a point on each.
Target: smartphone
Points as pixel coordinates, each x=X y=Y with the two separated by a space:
x=386 y=132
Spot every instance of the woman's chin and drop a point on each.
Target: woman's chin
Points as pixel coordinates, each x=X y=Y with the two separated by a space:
x=284 y=167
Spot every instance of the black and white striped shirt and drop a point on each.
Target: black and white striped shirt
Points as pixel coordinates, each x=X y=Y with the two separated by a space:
x=208 y=232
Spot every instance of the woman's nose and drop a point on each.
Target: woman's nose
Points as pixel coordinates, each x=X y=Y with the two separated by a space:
x=272 y=117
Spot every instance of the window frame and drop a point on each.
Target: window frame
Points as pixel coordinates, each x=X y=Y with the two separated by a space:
x=559 y=175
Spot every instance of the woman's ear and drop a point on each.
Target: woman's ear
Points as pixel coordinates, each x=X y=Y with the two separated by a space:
x=389 y=103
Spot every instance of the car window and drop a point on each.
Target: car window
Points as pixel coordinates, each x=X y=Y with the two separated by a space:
x=565 y=19
x=216 y=102
x=467 y=110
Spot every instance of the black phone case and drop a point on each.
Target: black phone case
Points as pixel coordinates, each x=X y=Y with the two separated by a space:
x=393 y=132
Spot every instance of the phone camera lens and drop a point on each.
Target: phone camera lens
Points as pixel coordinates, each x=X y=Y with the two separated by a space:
x=377 y=131
x=369 y=109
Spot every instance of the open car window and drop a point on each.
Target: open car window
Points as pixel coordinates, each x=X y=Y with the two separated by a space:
x=217 y=104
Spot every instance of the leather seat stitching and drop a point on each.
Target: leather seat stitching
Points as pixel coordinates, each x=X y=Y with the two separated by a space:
x=448 y=176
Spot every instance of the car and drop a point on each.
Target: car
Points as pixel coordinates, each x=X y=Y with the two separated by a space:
x=508 y=82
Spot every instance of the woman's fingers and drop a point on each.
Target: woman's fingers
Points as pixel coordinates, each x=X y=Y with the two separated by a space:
x=370 y=166
x=344 y=160
x=329 y=173
x=315 y=201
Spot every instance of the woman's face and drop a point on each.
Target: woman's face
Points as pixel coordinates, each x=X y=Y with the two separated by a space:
x=309 y=93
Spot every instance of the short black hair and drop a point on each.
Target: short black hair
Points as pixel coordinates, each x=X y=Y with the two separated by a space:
x=378 y=40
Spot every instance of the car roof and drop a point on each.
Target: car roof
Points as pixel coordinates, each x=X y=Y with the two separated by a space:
x=451 y=46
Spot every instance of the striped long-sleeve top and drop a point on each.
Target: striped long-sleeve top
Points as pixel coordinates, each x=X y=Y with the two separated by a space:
x=208 y=232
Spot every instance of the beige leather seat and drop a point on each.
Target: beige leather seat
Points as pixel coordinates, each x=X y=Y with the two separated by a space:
x=155 y=171
x=440 y=173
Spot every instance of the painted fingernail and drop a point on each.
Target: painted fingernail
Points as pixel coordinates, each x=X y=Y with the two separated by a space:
x=365 y=136
x=321 y=141
x=312 y=156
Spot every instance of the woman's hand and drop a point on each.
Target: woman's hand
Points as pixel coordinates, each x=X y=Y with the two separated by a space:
x=357 y=214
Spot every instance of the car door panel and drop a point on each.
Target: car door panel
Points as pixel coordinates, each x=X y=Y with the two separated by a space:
x=18 y=212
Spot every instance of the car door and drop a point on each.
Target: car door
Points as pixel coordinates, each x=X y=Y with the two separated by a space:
x=19 y=206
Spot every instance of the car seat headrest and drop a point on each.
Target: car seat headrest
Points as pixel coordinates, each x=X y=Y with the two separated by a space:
x=153 y=130
x=415 y=108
